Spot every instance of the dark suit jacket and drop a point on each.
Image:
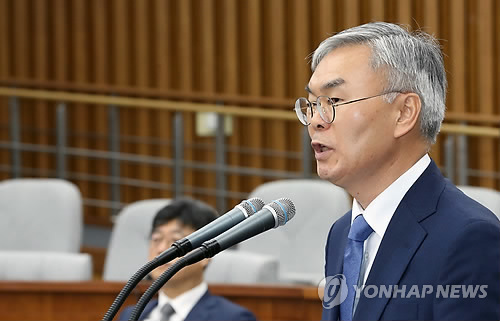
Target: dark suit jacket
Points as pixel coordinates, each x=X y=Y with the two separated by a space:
x=209 y=308
x=437 y=236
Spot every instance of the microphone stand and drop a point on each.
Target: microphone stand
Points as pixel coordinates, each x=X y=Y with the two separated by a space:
x=194 y=256
x=163 y=258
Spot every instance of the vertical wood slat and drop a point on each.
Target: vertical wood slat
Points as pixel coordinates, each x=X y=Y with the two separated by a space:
x=230 y=83
x=496 y=90
x=351 y=13
x=21 y=40
x=60 y=41
x=277 y=75
x=79 y=122
x=5 y=66
x=141 y=64
x=5 y=36
x=431 y=26
x=253 y=63
x=404 y=14
x=121 y=76
x=377 y=10
x=206 y=65
x=40 y=53
x=485 y=85
x=100 y=115
x=162 y=120
x=324 y=18
x=457 y=46
x=22 y=67
x=185 y=79
x=299 y=39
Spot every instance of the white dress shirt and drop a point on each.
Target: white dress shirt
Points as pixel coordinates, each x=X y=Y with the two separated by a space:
x=379 y=213
x=183 y=304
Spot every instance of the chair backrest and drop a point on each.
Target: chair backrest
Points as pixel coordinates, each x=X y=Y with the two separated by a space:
x=40 y=215
x=129 y=243
x=45 y=266
x=241 y=267
x=487 y=197
x=300 y=244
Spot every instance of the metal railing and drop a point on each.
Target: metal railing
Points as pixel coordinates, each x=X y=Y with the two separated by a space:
x=455 y=164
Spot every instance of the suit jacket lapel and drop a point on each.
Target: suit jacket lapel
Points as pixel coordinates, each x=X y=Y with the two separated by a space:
x=336 y=255
x=202 y=310
x=148 y=308
x=402 y=239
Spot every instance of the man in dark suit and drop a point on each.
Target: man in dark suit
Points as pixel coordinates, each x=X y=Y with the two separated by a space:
x=185 y=296
x=413 y=246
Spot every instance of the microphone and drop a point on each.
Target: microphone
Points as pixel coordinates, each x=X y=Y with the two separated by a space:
x=239 y=213
x=274 y=214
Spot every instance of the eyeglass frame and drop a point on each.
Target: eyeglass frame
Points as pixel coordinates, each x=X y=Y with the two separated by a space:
x=334 y=105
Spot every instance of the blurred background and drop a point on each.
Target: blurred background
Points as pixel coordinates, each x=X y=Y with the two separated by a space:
x=132 y=100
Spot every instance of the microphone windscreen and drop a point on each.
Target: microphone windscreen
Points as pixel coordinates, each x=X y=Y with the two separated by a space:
x=252 y=205
x=284 y=208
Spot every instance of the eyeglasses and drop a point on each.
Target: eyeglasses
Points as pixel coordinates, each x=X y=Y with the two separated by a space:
x=325 y=106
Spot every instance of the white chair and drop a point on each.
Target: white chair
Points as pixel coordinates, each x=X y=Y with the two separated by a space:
x=129 y=243
x=487 y=197
x=300 y=244
x=41 y=230
x=128 y=251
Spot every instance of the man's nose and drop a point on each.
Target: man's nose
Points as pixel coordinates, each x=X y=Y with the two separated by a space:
x=317 y=123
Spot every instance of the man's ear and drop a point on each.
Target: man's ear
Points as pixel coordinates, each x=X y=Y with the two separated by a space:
x=409 y=113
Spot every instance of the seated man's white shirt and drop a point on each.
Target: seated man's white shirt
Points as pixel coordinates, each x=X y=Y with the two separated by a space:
x=182 y=305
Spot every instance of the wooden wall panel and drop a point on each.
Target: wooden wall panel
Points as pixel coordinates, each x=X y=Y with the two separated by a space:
x=204 y=54
x=99 y=10
x=5 y=67
x=228 y=68
x=485 y=71
x=249 y=48
x=78 y=115
x=162 y=75
x=40 y=57
x=141 y=33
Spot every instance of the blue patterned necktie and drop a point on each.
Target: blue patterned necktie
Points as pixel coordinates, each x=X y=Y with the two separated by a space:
x=360 y=230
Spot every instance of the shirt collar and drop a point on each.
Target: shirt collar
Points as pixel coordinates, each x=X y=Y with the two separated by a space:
x=184 y=303
x=379 y=212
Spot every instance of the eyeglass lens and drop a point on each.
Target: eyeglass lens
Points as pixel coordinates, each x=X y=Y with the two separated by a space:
x=305 y=113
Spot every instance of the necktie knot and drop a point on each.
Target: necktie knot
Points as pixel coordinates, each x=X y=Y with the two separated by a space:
x=360 y=230
x=166 y=312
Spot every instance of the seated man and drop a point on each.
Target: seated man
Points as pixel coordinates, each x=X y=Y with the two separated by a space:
x=185 y=296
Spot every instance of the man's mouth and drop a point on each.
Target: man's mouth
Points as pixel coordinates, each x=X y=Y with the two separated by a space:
x=320 y=148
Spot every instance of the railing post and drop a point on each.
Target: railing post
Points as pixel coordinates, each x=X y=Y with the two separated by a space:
x=15 y=137
x=114 y=162
x=306 y=154
x=463 y=160
x=61 y=134
x=220 y=159
x=449 y=155
x=178 y=154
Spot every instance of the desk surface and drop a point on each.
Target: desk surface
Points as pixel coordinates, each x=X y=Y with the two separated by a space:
x=43 y=301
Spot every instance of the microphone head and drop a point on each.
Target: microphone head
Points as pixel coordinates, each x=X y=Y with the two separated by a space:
x=252 y=205
x=284 y=208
